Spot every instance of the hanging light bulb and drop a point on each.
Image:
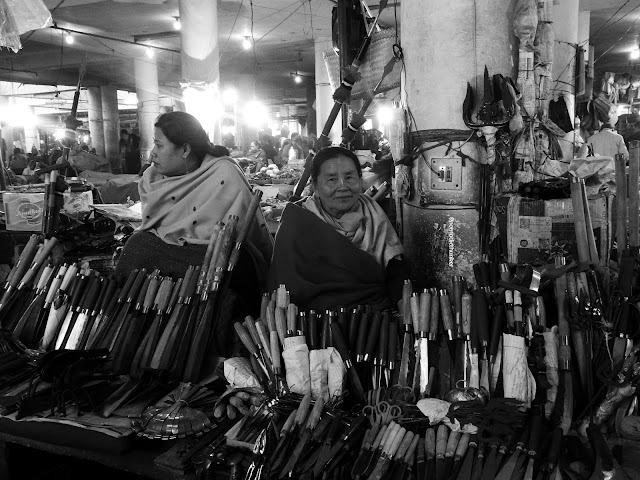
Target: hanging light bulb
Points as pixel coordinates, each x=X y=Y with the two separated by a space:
x=68 y=38
x=176 y=23
x=149 y=52
x=246 y=43
x=635 y=54
x=297 y=78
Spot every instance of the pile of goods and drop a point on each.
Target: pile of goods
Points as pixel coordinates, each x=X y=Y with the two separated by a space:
x=273 y=174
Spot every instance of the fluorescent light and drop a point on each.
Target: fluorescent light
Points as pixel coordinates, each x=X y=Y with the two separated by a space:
x=176 y=23
x=149 y=52
x=68 y=38
x=635 y=54
x=246 y=43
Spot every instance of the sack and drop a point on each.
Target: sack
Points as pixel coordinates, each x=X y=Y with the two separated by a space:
x=21 y=16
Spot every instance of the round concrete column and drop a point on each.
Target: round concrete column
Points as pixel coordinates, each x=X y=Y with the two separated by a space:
x=246 y=132
x=200 y=62
x=31 y=135
x=324 y=92
x=111 y=124
x=447 y=44
x=96 y=128
x=146 y=72
x=565 y=27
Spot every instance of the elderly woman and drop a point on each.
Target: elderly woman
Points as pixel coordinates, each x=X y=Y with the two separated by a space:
x=337 y=247
x=190 y=186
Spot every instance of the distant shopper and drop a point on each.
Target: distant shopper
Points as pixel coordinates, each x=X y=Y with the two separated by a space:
x=18 y=161
x=606 y=143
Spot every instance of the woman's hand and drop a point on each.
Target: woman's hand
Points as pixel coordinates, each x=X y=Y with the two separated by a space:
x=239 y=403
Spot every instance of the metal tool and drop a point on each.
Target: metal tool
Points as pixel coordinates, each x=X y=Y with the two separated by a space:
x=382 y=413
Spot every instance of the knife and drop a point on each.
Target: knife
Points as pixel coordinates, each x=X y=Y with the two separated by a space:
x=467 y=463
x=447 y=315
x=424 y=313
x=372 y=339
x=450 y=451
x=391 y=447
x=354 y=379
x=338 y=447
x=461 y=451
x=430 y=452
x=312 y=422
x=335 y=429
x=491 y=464
x=383 y=345
x=392 y=352
x=312 y=334
x=407 y=341
x=478 y=463
x=421 y=469
x=354 y=324
x=364 y=459
x=442 y=435
x=300 y=417
x=405 y=461
x=507 y=470
x=314 y=446
x=396 y=461
x=534 y=444
x=508 y=300
x=281 y=447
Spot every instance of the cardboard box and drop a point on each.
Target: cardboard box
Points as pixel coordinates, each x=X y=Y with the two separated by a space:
x=537 y=230
x=23 y=211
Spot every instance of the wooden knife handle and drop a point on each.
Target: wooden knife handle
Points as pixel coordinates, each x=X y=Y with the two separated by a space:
x=466 y=303
x=425 y=313
x=38 y=260
x=275 y=352
x=271 y=317
x=389 y=436
x=420 y=457
x=442 y=436
x=303 y=409
x=23 y=262
x=383 y=339
x=163 y=295
x=463 y=445
x=281 y=296
x=435 y=316
x=452 y=443
x=430 y=443
x=403 y=448
x=250 y=325
x=392 y=351
x=412 y=450
x=354 y=326
x=372 y=338
x=499 y=320
x=175 y=293
x=125 y=288
x=292 y=317
x=142 y=292
x=264 y=302
x=406 y=302
x=397 y=441
x=312 y=337
x=343 y=320
x=281 y=323
x=340 y=343
x=152 y=291
x=264 y=338
x=249 y=217
x=414 y=301
x=245 y=338
x=447 y=316
x=314 y=416
x=288 y=424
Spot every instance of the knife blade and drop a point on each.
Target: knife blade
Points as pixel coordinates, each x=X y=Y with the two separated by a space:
x=363 y=461
x=506 y=471
x=406 y=461
x=335 y=429
x=336 y=448
x=300 y=417
x=467 y=464
x=423 y=332
x=312 y=422
x=391 y=447
x=421 y=469
x=407 y=341
x=430 y=451
x=491 y=464
x=450 y=450
x=397 y=471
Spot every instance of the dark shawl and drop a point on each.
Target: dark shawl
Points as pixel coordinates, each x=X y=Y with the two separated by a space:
x=321 y=268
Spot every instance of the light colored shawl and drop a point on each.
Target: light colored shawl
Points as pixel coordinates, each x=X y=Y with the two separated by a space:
x=185 y=208
x=366 y=225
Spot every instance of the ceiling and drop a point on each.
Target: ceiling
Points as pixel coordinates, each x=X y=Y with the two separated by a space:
x=45 y=71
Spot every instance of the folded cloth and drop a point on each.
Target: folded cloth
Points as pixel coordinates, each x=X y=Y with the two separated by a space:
x=296 y=364
x=318 y=368
x=336 y=373
x=239 y=374
x=518 y=380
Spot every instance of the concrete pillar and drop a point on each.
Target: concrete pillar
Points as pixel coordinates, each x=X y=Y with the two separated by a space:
x=111 y=119
x=447 y=44
x=146 y=72
x=246 y=131
x=31 y=134
x=96 y=128
x=565 y=26
x=584 y=30
x=200 y=63
x=324 y=92
x=311 y=112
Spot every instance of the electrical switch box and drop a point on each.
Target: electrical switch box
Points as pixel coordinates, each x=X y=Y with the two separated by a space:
x=445 y=173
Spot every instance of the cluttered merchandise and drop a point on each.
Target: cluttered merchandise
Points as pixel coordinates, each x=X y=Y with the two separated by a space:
x=471 y=314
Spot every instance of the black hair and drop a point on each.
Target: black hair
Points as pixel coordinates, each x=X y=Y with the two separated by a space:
x=329 y=153
x=258 y=144
x=182 y=128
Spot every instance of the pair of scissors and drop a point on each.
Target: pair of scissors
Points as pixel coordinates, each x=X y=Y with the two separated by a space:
x=382 y=414
x=399 y=394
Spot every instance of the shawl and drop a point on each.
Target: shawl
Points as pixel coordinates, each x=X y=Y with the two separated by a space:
x=183 y=210
x=322 y=268
x=366 y=226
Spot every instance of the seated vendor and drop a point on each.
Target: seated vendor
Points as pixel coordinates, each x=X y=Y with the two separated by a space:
x=190 y=186
x=337 y=247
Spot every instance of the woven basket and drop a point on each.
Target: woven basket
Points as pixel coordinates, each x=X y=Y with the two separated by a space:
x=378 y=55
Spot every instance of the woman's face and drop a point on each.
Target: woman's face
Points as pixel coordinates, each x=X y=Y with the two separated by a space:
x=170 y=159
x=338 y=185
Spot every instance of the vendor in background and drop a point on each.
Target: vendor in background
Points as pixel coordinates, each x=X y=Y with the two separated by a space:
x=17 y=161
x=337 y=247
x=291 y=149
x=229 y=141
x=190 y=186
x=257 y=155
x=605 y=143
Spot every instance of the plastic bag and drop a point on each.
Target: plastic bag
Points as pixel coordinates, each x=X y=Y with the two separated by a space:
x=296 y=363
x=21 y=16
